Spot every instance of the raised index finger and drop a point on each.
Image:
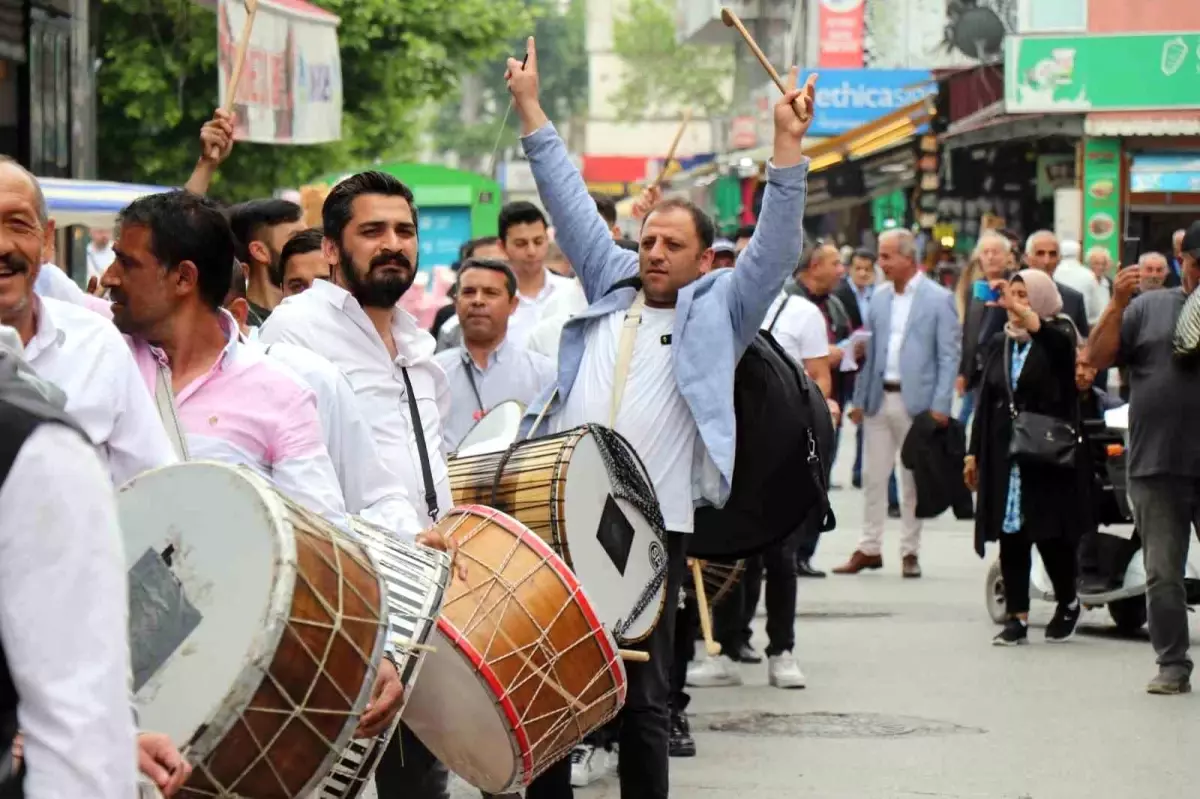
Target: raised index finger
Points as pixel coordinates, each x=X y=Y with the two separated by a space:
x=531 y=54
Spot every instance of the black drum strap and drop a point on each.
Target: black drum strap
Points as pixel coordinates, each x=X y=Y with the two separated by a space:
x=431 y=500
x=508 y=453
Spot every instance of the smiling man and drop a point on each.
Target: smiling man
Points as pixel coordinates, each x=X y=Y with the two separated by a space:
x=488 y=369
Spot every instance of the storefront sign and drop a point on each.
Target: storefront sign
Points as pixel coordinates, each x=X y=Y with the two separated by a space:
x=1165 y=172
x=841 y=34
x=291 y=85
x=848 y=98
x=1070 y=74
x=1102 y=196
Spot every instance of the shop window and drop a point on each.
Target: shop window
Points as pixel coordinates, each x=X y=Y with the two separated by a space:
x=1039 y=16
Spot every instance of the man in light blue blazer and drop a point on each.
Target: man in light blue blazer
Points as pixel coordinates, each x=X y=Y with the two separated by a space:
x=912 y=360
x=677 y=407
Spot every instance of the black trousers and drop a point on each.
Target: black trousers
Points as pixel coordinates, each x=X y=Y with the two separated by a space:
x=408 y=770
x=1016 y=560
x=645 y=721
x=687 y=621
x=778 y=562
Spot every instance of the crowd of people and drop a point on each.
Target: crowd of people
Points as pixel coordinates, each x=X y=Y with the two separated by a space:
x=237 y=334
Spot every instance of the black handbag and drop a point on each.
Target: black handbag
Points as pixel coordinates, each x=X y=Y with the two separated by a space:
x=1036 y=437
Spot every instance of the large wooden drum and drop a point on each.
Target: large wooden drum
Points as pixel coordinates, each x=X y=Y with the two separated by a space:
x=523 y=669
x=587 y=494
x=257 y=628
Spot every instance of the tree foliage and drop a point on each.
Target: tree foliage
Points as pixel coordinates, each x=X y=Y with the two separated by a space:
x=660 y=72
x=563 y=71
x=157 y=84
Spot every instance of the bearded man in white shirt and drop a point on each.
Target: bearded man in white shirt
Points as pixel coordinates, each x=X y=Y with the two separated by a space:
x=370 y=225
x=75 y=349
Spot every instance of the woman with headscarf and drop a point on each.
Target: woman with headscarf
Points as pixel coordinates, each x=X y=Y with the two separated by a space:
x=1021 y=504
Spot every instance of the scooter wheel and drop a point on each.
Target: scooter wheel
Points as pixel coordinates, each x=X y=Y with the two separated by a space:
x=994 y=594
x=1128 y=614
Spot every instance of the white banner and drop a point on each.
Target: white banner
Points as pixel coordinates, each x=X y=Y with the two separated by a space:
x=291 y=86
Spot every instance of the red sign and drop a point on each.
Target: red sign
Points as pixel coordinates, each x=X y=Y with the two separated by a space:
x=841 y=34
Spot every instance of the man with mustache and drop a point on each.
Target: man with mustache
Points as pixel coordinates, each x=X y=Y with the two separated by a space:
x=690 y=325
x=370 y=224
x=70 y=346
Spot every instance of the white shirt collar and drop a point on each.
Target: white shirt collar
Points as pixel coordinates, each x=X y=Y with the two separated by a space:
x=413 y=344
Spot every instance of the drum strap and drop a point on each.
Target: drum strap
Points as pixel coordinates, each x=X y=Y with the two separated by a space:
x=633 y=318
x=431 y=502
x=164 y=398
x=779 y=313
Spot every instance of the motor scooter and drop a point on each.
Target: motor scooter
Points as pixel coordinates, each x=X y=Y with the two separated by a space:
x=1117 y=542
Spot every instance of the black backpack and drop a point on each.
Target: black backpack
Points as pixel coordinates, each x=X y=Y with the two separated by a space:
x=785 y=435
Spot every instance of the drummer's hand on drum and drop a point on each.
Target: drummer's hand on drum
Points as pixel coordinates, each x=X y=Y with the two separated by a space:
x=435 y=540
x=159 y=760
x=384 y=704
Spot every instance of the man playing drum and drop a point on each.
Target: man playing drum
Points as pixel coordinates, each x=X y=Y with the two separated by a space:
x=678 y=396
x=370 y=225
x=175 y=253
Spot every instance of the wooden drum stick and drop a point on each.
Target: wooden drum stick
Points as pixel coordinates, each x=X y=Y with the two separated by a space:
x=687 y=117
x=710 y=646
x=634 y=656
x=731 y=21
x=239 y=61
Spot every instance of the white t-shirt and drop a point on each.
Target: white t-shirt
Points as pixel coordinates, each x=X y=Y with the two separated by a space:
x=800 y=328
x=653 y=417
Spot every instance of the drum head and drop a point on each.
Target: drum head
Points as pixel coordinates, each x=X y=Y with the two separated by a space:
x=495 y=432
x=211 y=571
x=613 y=549
x=457 y=715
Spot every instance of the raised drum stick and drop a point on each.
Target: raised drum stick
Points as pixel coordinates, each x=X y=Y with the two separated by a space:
x=687 y=117
x=710 y=646
x=239 y=61
x=731 y=21
x=634 y=655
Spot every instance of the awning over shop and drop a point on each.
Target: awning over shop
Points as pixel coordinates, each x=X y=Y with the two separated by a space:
x=1165 y=172
x=883 y=172
x=992 y=124
x=94 y=203
x=885 y=132
x=1142 y=123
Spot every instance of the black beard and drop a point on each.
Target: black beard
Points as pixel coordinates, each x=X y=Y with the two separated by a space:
x=377 y=290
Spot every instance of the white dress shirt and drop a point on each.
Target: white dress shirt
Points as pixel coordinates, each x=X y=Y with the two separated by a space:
x=371 y=491
x=564 y=303
x=901 y=306
x=329 y=320
x=531 y=310
x=64 y=619
x=512 y=373
x=83 y=354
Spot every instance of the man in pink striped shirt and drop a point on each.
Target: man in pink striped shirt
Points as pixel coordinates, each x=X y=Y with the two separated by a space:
x=174 y=256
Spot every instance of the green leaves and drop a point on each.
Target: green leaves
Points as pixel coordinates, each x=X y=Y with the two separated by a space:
x=660 y=72
x=157 y=84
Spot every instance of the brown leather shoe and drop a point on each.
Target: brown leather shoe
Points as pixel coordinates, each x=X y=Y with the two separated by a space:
x=859 y=561
x=911 y=567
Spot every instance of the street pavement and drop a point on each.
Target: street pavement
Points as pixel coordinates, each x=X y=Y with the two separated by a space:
x=906 y=697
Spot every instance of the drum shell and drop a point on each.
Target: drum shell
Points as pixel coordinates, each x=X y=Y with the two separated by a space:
x=519 y=618
x=308 y=680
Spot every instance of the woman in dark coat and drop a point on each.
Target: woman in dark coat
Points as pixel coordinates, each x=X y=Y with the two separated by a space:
x=1033 y=503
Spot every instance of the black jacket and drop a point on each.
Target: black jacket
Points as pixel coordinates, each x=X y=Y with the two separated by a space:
x=994 y=318
x=935 y=456
x=1055 y=503
x=845 y=294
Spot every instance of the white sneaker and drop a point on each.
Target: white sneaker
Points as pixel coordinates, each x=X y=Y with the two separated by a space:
x=588 y=764
x=784 y=672
x=714 y=672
